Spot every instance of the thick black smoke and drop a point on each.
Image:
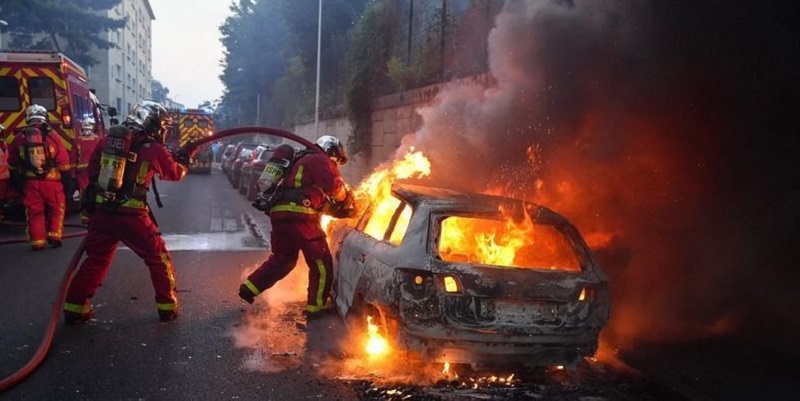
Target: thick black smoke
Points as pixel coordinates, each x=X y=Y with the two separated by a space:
x=666 y=131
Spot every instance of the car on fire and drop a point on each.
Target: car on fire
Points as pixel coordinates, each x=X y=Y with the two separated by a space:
x=432 y=266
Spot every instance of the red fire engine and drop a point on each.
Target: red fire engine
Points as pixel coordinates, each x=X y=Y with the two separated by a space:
x=60 y=85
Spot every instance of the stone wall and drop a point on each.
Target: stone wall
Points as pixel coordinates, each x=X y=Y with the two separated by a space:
x=394 y=116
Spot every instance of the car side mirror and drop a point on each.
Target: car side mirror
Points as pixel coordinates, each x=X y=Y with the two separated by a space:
x=112 y=111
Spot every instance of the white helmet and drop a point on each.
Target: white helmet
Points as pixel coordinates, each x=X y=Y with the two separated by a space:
x=87 y=126
x=35 y=113
x=334 y=148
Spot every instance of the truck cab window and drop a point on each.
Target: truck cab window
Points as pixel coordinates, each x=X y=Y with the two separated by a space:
x=42 y=92
x=9 y=94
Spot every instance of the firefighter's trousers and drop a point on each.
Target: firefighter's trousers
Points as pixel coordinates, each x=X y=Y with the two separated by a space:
x=287 y=239
x=44 y=208
x=139 y=233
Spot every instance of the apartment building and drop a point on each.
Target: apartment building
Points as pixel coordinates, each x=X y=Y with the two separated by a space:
x=123 y=73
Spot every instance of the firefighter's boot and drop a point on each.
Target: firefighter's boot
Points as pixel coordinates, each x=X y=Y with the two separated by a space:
x=246 y=294
x=77 y=318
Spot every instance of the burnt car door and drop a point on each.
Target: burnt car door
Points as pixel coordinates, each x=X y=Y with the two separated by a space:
x=368 y=256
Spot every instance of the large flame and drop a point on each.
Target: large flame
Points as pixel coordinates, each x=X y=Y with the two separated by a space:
x=376 y=189
x=507 y=242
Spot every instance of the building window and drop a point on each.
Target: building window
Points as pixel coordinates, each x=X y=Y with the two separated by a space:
x=119 y=105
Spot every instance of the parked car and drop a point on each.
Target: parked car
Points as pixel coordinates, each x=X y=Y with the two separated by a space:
x=252 y=169
x=437 y=297
x=228 y=163
x=236 y=166
x=226 y=156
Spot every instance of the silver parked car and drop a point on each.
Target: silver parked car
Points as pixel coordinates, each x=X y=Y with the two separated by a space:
x=431 y=266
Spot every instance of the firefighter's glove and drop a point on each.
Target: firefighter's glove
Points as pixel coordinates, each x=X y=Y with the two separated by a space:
x=343 y=209
x=184 y=156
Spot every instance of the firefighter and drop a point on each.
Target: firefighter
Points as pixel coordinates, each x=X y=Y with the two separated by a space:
x=121 y=170
x=87 y=141
x=5 y=172
x=312 y=180
x=40 y=157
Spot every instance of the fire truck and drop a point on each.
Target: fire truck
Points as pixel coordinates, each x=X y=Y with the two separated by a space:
x=190 y=125
x=60 y=85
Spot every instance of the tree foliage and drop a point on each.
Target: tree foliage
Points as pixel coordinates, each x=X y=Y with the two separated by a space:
x=366 y=52
x=367 y=63
x=73 y=27
x=270 y=59
x=158 y=91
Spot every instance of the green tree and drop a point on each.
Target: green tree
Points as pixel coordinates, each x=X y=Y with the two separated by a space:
x=368 y=63
x=72 y=27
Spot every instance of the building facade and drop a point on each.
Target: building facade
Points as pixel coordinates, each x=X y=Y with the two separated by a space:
x=123 y=73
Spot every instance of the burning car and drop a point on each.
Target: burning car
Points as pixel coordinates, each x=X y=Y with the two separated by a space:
x=472 y=279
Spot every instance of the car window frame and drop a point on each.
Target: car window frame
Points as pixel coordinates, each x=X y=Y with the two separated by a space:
x=389 y=230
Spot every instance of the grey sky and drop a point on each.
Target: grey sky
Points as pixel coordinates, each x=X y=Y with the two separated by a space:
x=186 y=48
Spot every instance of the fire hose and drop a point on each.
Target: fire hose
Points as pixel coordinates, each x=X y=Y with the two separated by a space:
x=44 y=347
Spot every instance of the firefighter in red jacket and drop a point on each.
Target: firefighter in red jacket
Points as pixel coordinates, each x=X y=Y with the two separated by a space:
x=40 y=157
x=122 y=168
x=87 y=141
x=312 y=182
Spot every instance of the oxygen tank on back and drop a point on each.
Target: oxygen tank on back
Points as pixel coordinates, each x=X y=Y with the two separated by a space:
x=34 y=143
x=115 y=156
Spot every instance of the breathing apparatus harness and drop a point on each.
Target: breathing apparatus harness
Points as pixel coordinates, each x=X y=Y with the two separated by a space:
x=116 y=182
x=38 y=160
x=279 y=167
x=280 y=192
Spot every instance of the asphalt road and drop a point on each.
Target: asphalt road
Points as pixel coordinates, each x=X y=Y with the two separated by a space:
x=126 y=353
x=222 y=348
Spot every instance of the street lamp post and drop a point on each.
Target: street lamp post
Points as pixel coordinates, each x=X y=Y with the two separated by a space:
x=319 y=44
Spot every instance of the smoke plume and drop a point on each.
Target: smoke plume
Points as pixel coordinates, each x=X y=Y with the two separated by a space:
x=664 y=131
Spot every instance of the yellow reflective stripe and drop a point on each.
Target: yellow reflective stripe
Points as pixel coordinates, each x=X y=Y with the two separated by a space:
x=294 y=208
x=142 y=172
x=249 y=284
x=76 y=308
x=323 y=274
x=130 y=203
x=298 y=177
x=170 y=275
x=170 y=306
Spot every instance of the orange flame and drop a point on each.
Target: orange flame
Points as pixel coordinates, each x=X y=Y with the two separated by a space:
x=508 y=242
x=376 y=189
x=376 y=346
